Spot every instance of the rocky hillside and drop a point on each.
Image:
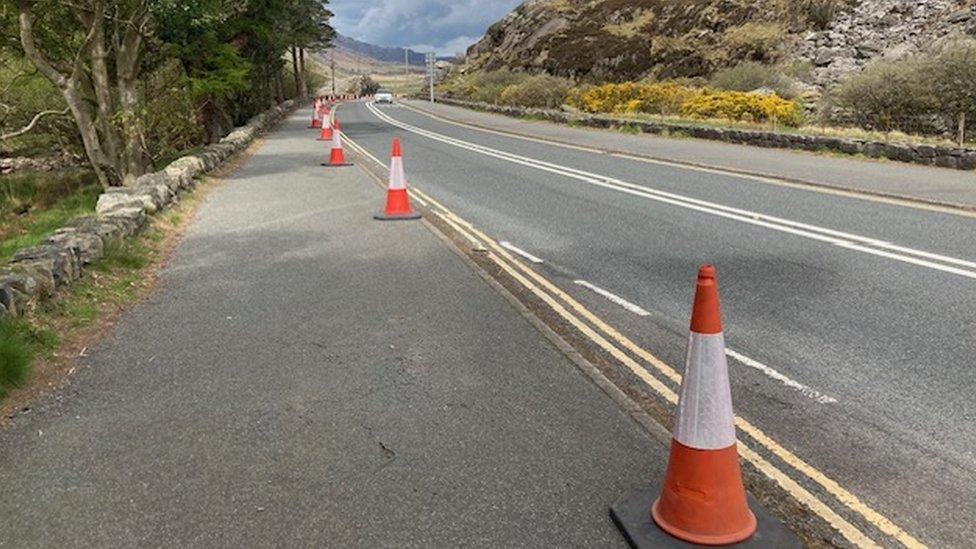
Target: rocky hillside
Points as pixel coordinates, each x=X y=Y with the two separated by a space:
x=631 y=39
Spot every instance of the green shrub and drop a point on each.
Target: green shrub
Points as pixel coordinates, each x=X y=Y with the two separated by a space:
x=749 y=76
x=487 y=87
x=542 y=91
x=950 y=77
x=15 y=356
x=886 y=96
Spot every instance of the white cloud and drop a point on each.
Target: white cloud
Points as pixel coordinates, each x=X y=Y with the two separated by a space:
x=447 y=26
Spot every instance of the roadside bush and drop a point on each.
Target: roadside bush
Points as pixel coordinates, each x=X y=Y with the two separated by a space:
x=542 y=91
x=487 y=87
x=15 y=357
x=744 y=107
x=672 y=98
x=617 y=98
x=663 y=98
x=749 y=76
x=950 y=77
x=930 y=93
x=886 y=96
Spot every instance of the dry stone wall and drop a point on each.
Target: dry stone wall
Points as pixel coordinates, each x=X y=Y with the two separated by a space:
x=36 y=272
x=931 y=155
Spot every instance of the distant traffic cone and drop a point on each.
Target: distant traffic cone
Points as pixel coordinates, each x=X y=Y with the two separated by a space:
x=397 y=197
x=338 y=156
x=703 y=500
x=316 y=119
x=326 y=134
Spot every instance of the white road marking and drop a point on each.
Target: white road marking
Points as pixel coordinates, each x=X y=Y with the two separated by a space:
x=613 y=298
x=508 y=246
x=830 y=236
x=802 y=495
x=808 y=392
x=761 y=178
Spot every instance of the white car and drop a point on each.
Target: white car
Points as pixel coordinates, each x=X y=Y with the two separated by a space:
x=384 y=96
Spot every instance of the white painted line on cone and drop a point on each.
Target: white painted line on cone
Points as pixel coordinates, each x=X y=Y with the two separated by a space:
x=801 y=494
x=613 y=298
x=508 y=246
x=511 y=265
x=808 y=392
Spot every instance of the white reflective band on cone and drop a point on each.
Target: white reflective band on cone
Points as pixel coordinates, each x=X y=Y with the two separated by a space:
x=337 y=138
x=398 y=177
x=704 y=417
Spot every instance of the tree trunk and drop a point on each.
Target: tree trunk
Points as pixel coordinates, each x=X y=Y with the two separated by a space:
x=128 y=45
x=104 y=164
x=102 y=87
x=303 y=79
x=104 y=170
x=962 y=129
x=296 y=70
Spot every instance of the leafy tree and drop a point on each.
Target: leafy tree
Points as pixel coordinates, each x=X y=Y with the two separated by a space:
x=99 y=53
x=92 y=52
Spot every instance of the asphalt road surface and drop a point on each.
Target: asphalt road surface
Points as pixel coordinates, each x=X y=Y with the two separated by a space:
x=850 y=322
x=309 y=377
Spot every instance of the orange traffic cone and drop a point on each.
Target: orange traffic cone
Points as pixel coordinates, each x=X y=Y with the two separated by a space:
x=326 y=134
x=703 y=500
x=397 y=197
x=338 y=156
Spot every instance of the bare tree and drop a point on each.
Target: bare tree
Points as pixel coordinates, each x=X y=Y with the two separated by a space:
x=105 y=104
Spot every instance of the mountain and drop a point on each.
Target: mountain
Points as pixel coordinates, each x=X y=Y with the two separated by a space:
x=388 y=54
x=632 y=39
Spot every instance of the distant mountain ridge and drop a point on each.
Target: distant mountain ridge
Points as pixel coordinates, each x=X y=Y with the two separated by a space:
x=389 y=54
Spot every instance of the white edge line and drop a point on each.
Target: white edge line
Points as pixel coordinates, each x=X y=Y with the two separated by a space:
x=778 y=224
x=637 y=310
x=510 y=247
x=808 y=392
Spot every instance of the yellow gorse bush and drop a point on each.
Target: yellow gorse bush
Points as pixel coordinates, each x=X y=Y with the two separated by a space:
x=669 y=98
x=742 y=106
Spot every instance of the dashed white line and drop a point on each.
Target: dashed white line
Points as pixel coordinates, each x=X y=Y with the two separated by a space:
x=508 y=246
x=808 y=392
x=838 y=238
x=614 y=298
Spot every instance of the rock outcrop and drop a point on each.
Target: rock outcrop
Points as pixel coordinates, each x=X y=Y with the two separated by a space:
x=632 y=39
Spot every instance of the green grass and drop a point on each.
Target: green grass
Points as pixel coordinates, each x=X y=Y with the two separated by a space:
x=114 y=279
x=33 y=205
x=19 y=344
x=629 y=129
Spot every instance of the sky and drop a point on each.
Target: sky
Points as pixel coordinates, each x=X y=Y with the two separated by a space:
x=444 y=26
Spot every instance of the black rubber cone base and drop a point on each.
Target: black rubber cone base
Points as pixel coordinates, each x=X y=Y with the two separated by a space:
x=633 y=517
x=404 y=217
x=327 y=165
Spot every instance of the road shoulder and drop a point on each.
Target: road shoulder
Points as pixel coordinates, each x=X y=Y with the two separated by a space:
x=307 y=375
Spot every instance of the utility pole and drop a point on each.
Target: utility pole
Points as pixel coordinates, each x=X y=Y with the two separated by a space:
x=406 y=62
x=431 y=70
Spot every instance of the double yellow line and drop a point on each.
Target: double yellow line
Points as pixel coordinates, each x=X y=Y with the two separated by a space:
x=624 y=350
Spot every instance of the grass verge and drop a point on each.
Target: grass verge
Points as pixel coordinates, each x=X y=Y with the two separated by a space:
x=34 y=204
x=38 y=350
x=46 y=342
